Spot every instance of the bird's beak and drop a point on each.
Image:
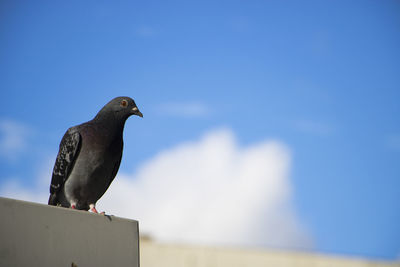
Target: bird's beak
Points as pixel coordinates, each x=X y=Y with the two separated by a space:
x=136 y=111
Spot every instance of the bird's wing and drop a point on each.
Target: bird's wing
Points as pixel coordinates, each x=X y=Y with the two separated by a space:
x=67 y=154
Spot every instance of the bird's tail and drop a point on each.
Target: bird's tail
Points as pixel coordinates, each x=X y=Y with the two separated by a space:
x=53 y=200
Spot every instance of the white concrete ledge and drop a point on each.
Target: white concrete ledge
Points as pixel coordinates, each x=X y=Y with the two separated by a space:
x=34 y=234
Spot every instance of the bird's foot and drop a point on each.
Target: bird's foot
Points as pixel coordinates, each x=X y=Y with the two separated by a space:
x=93 y=209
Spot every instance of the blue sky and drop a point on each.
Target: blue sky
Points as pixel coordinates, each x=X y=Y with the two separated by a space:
x=322 y=77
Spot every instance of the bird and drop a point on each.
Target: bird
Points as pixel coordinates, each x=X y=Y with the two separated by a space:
x=89 y=157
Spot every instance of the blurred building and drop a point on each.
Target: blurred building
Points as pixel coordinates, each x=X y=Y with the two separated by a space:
x=154 y=254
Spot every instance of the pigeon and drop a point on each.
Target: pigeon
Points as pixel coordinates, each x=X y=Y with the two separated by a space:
x=89 y=157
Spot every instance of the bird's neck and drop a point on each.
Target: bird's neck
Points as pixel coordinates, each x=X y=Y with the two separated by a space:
x=113 y=125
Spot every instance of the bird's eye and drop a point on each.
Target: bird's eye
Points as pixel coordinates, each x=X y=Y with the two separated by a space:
x=124 y=103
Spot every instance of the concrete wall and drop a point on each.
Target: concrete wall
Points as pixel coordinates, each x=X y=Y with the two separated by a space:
x=46 y=236
x=40 y=235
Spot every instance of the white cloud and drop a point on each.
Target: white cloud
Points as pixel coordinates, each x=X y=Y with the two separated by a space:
x=13 y=187
x=212 y=191
x=208 y=191
x=13 y=138
x=184 y=109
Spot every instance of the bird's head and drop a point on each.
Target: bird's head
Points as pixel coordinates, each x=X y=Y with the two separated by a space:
x=121 y=108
